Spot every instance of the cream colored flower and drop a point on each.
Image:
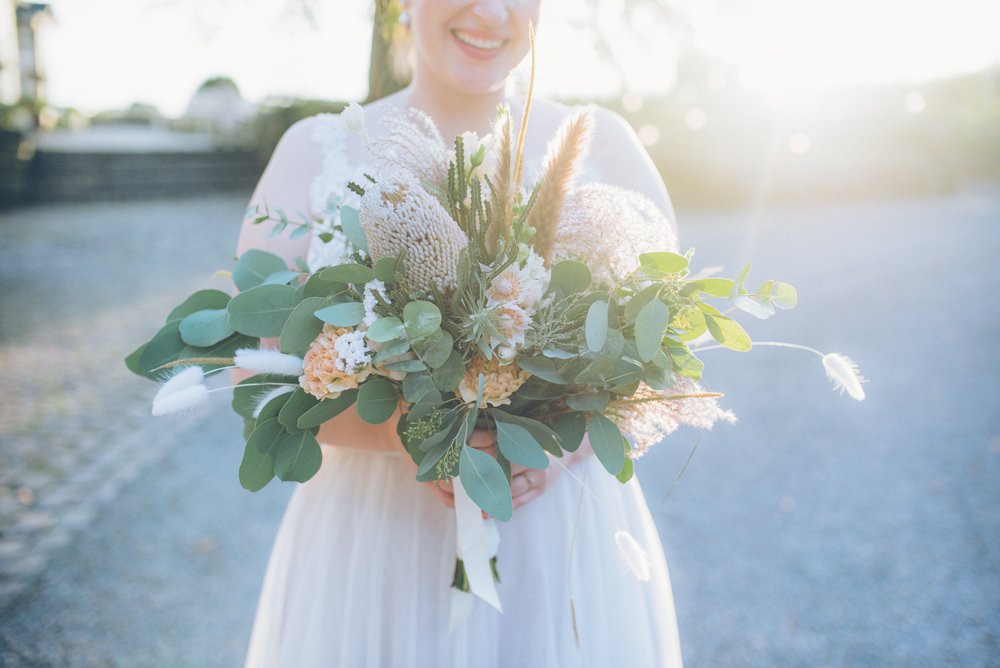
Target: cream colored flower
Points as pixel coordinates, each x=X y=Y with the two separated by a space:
x=338 y=359
x=499 y=381
x=472 y=144
x=512 y=322
x=607 y=228
x=400 y=217
x=505 y=287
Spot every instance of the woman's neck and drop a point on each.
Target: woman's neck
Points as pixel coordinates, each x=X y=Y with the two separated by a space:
x=453 y=112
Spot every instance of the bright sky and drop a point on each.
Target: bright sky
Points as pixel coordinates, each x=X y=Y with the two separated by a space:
x=107 y=53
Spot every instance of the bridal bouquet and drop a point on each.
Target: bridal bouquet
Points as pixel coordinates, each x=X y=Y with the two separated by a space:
x=459 y=300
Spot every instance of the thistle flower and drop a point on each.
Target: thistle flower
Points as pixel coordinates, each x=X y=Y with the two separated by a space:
x=338 y=359
x=649 y=415
x=845 y=375
x=400 y=217
x=633 y=555
x=268 y=361
x=266 y=398
x=607 y=228
x=499 y=381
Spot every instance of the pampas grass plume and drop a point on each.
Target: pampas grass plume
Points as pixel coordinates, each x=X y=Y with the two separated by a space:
x=268 y=361
x=633 y=555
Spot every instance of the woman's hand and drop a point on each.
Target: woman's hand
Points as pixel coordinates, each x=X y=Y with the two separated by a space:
x=525 y=484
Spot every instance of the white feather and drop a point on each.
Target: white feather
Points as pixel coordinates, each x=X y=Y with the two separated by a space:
x=187 y=377
x=633 y=555
x=268 y=361
x=181 y=400
x=845 y=375
x=276 y=392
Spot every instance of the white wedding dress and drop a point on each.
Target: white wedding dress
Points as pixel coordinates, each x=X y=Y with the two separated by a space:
x=360 y=573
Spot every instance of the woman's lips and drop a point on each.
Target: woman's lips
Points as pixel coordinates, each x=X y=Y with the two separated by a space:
x=478 y=46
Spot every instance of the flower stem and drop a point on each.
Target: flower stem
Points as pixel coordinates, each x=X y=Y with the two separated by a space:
x=773 y=344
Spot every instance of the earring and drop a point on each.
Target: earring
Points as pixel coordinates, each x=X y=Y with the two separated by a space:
x=404 y=18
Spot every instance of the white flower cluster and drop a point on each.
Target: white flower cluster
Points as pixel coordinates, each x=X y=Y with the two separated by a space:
x=370 y=301
x=511 y=299
x=480 y=155
x=353 y=353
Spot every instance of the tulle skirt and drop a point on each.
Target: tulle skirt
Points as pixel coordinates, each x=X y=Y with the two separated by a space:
x=361 y=570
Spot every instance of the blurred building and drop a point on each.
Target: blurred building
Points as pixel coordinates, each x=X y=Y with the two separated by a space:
x=21 y=28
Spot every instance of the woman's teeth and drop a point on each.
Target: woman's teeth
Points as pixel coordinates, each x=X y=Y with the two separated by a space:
x=486 y=44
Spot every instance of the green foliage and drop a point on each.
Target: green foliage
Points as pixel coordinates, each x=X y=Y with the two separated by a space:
x=519 y=446
x=569 y=277
x=301 y=327
x=385 y=329
x=205 y=328
x=650 y=326
x=486 y=483
x=254 y=266
x=350 y=222
x=607 y=441
x=358 y=274
x=262 y=310
x=421 y=319
x=570 y=428
x=327 y=410
x=200 y=301
x=377 y=400
x=596 y=329
x=348 y=314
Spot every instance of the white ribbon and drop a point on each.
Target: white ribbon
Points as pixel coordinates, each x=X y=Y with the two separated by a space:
x=478 y=540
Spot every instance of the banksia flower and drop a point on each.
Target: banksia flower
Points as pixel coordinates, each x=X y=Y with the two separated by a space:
x=499 y=381
x=400 y=217
x=563 y=158
x=607 y=228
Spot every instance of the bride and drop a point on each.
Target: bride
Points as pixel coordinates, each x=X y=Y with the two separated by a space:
x=362 y=563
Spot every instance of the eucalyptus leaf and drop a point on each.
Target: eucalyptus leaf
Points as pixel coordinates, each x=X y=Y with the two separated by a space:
x=318 y=286
x=407 y=366
x=421 y=319
x=541 y=433
x=263 y=310
x=638 y=301
x=544 y=368
x=327 y=409
x=281 y=278
x=628 y=470
x=298 y=404
x=728 y=332
x=254 y=266
x=658 y=265
x=650 y=326
x=247 y=393
x=200 y=301
x=391 y=349
x=569 y=277
x=717 y=287
x=606 y=440
x=519 y=446
x=298 y=457
x=570 y=428
x=132 y=361
x=485 y=482
x=449 y=375
x=256 y=468
x=302 y=326
x=358 y=274
x=589 y=402
x=435 y=349
x=385 y=269
x=377 y=400
x=348 y=314
x=385 y=329
x=416 y=385
x=225 y=348
x=596 y=328
x=165 y=346
x=205 y=328
x=350 y=223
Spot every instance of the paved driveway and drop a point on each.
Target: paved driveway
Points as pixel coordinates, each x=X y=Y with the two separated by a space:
x=816 y=532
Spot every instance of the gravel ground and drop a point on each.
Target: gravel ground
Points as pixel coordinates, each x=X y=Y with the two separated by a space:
x=816 y=532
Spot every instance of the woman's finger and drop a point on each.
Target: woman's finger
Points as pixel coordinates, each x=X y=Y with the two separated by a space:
x=519 y=484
